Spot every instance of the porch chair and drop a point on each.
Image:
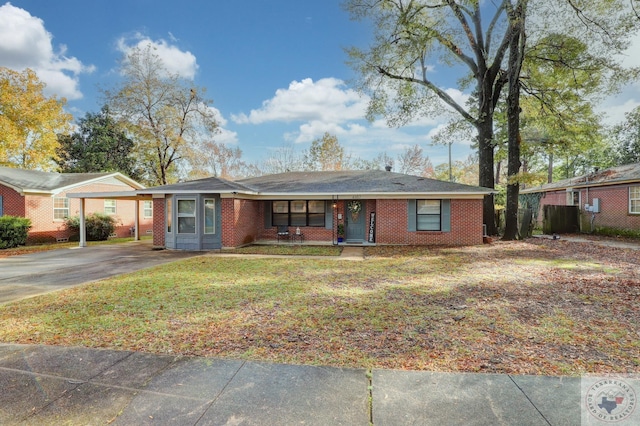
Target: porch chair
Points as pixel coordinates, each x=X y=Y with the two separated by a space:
x=283 y=232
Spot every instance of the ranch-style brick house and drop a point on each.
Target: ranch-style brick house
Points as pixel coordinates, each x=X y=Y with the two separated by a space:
x=46 y=199
x=373 y=207
x=605 y=198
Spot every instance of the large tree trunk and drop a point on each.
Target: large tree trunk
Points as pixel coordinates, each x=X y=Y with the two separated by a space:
x=516 y=57
x=485 y=159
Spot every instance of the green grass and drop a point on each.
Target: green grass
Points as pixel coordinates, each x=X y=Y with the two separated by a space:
x=522 y=308
x=287 y=249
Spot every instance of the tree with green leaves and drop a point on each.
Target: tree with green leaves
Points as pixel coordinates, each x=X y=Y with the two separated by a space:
x=409 y=37
x=580 y=44
x=164 y=114
x=627 y=138
x=29 y=121
x=99 y=144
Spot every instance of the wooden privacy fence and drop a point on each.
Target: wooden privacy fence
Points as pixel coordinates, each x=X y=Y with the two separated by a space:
x=560 y=219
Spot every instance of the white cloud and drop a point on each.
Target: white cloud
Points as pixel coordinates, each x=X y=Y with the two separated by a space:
x=614 y=107
x=25 y=43
x=326 y=100
x=224 y=135
x=328 y=105
x=176 y=61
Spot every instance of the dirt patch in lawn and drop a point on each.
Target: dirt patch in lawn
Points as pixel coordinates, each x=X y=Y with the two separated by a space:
x=534 y=307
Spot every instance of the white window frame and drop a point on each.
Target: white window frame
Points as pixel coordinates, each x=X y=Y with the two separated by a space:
x=108 y=208
x=66 y=207
x=147 y=212
x=212 y=210
x=187 y=215
x=634 y=195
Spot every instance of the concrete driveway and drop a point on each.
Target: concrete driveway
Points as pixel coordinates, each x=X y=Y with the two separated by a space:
x=38 y=273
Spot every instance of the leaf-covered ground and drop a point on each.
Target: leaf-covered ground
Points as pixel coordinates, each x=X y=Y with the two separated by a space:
x=534 y=307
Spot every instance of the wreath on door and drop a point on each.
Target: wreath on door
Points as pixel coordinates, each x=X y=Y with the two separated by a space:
x=354 y=207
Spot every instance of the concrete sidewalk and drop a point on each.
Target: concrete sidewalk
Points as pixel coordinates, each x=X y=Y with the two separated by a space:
x=79 y=386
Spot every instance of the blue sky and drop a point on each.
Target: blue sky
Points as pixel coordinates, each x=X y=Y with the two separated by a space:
x=275 y=69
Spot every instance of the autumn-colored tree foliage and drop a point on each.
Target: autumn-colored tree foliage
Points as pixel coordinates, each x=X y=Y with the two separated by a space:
x=325 y=153
x=29 y=121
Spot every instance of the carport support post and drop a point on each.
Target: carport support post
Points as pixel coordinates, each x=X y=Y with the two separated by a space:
x=136 y=223
x=83 y=228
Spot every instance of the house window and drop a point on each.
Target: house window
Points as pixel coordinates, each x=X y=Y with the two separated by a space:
x=169 y=213
x=280 y=213
x=209 y=216
x=428 y=215
x=186 y=216
x=60 y=208
x=316 y=213
x=634 y=199
x=573 y=198
x=110 y=207
x=147 y=209
x=298 y=213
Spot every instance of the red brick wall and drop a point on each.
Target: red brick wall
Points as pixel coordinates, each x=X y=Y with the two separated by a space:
x=466 y=225
x=12 y=202
x=391 y=224
x=614 y=206
x=159 y=222
x=242 y=221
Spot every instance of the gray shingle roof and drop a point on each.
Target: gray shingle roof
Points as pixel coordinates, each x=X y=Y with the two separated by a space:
x=33 y=180
x=206 y=185
x=612 y=176
x=369 y=181
x=329 y=183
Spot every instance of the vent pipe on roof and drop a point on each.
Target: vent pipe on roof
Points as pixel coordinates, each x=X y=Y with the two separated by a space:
x=387 y=168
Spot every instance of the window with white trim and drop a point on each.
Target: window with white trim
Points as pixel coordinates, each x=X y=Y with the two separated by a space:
x=209 y=216
x=60 y=208
x=147 y=209
x=186 y=216
x=110 y=207
x=634 y=199
x=428 y=215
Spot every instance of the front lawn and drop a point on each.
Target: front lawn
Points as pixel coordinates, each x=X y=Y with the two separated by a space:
x=537 y=307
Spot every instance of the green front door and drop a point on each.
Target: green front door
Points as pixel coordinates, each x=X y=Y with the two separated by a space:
x=354 y=219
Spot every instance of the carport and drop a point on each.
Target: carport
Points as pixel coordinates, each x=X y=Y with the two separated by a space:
x=123 y=195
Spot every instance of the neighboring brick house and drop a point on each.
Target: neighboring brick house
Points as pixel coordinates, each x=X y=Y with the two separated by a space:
x=375 y=207
x=45 y=198
x=605 y=198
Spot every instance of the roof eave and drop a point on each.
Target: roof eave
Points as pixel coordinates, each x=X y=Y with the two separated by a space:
x=581 y=186
x=116 y=175
x=358 y=195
